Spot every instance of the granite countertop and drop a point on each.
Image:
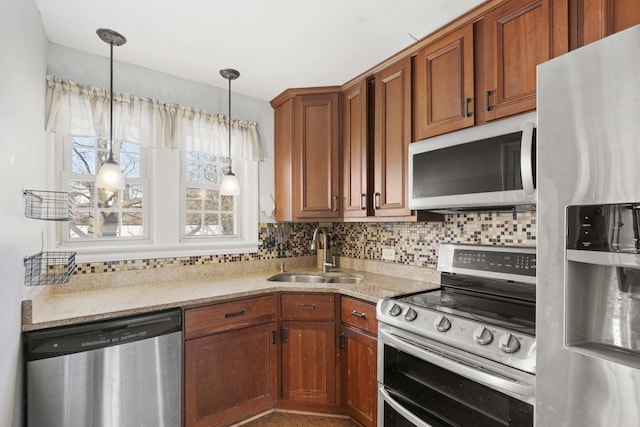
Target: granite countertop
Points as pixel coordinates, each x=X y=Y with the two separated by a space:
x=50 y=308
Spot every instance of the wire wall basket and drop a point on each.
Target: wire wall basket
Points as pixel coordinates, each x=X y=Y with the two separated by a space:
x=49 y=268
x=48 y=205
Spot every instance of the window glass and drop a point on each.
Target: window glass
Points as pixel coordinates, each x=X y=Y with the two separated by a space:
x=100 y=213
x=206 y=212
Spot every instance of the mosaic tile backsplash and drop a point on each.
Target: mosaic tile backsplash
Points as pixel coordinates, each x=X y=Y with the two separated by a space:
x=415 y=244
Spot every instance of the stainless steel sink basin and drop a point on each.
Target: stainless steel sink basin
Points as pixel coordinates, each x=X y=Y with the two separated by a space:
x=298 y=277
x=344 y=279
x=314 y=278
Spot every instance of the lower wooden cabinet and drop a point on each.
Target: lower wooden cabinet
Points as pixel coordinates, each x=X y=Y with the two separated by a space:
x=241 y=358
x=359 y=383
x=358 y=354
x=309 y=358
x=309 y=362
x=230 y=375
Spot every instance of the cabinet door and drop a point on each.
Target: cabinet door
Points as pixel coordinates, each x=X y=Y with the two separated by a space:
x=444 y=85
x=392 y=138
x=359 y=383
x=355 y=151
x=230 y=376
x=517 y=37
x=316 y=165
x=309 y=362
x=592 y=20
x=283 y=158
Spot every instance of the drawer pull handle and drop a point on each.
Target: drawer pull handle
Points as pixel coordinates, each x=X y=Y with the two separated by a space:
x=230 y=315
x=358 y=315
x=307 y=306
x=376 y=201
x=274 y=335
x=284 y=335
x=467 y=112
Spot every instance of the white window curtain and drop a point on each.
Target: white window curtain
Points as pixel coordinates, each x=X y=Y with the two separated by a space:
x=76 y=109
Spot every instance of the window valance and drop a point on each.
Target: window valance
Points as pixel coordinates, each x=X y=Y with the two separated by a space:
x=76 y=109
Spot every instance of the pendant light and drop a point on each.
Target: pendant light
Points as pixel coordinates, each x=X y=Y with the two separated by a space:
x=230 y=185
x=110 y=176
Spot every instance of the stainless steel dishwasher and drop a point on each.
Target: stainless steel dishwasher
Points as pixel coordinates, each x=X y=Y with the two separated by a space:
x=114 y=373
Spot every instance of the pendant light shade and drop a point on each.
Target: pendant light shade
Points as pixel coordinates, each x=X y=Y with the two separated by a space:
x=230 y=185
x=110 y=176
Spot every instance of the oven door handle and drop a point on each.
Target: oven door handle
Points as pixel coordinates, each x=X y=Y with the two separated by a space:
x=496 y=381
x=401 y=409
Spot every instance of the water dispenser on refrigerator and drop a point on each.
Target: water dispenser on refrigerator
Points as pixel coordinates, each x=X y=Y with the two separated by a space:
x=603 y=281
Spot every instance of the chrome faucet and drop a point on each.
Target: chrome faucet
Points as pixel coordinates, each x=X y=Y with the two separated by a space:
x=325 y=265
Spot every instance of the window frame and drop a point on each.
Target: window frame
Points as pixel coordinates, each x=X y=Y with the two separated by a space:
x=237 y=201
x=164 y=172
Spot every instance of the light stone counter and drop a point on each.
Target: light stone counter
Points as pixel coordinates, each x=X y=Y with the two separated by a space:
x=127 y=293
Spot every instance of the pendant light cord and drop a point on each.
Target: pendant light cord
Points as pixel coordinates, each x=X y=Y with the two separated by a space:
x=230 y=170
x=111 y=106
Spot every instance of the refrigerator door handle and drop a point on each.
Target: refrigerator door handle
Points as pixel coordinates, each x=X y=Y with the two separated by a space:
x=526 y=159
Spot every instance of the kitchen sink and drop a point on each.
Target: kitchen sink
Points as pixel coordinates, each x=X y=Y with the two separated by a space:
x=298 y=277
x=314 y=278
x=344 y=279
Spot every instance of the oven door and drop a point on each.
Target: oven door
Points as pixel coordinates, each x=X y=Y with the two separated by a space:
x=423 y=383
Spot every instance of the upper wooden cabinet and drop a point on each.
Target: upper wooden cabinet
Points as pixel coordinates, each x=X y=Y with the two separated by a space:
x=514 y=38
x=592 y=20
x=307 y=155
x=443 y=90
x=392 y=137
x=355 y=151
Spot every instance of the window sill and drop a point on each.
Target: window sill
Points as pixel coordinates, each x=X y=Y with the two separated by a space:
x=124 y=253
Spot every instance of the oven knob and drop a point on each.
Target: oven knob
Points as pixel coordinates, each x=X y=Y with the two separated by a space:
x=508 y=343
x=442 y=324
x=395 y=310
x=410 y=315
x=482 y=335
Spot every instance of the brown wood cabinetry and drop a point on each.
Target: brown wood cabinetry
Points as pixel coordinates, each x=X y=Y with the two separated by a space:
x=443 y=85
x=355 y=152
x=515 y=37
x=592 y=20
x=307 y=154
x=309 y=359
x=392 y=129
x=231 y=361
x=359 y=359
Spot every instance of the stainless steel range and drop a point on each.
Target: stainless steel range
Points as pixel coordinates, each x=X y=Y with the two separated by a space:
x=463 y=354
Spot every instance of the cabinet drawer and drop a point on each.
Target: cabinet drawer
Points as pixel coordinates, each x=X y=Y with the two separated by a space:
x=308 y=306
x=359 y=314
x=229 y=315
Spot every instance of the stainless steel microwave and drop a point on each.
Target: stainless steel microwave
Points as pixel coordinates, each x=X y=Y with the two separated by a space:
x=488 y=167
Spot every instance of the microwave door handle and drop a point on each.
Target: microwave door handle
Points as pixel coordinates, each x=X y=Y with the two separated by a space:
x=401 y=409
x=526 y=159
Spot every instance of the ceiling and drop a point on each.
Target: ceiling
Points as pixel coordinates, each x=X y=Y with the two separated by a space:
x=275 y=44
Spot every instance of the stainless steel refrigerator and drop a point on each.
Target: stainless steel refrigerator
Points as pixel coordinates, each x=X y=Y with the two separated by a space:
x=588 y=259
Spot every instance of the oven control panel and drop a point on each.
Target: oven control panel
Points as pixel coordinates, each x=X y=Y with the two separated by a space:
x=502 y=345
x=492 y=262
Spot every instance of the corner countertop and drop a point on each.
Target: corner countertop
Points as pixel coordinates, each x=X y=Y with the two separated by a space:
x=50 y=309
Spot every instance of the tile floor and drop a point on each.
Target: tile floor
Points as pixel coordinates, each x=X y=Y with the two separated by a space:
x=284 y=419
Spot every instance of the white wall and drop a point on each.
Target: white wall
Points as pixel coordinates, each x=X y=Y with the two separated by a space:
x=23 y=49
x=87 y=68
